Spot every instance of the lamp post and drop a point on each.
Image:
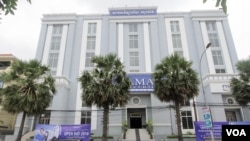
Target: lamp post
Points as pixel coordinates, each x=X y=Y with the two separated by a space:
x=202 y=86
x=205 y=100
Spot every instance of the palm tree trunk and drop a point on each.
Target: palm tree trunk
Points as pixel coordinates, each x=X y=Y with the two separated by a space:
x=20 y=132
x=105 y=122
x=178 y=120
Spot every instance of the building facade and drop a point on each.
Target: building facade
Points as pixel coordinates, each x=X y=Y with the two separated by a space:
x=7 y=120
x=141 y=37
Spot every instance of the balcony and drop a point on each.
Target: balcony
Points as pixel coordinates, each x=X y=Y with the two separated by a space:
x=219 y=83
x=61 y=81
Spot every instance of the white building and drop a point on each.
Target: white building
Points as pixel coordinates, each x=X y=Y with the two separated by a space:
x=141 y=37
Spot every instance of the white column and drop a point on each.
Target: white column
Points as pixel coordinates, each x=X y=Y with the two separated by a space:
x=98 y=37
x=147 y=47
x=169 y=36
x=47 y=45
x=120 y=41
x=62 y=50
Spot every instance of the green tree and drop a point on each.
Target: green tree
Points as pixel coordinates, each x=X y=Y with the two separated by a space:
x=8 y=6
x=28 y=89
x=241 y=86
x=106 y=86
x=222 y=3
x=175 y=81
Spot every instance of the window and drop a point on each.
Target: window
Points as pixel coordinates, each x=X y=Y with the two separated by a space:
x=57 y=29
x=231 y=116
x=176 y=35
x=91 y=42
x=88 y=60
x=175 y=26
x=212 y=33
x=45 y=118
x=217 y=57
x=187 y=121
x=134 y=58
x=220 y=70
x=54 y=48
x=4 y=64
x=53 y=59
x=176 y=39
x=213 y=38
x=133 y=27
x=85 y=117
x=211 y=27
x=133 y=41
x=55 y=43
x=92 y=28
x=186 y=102
x=180 y=53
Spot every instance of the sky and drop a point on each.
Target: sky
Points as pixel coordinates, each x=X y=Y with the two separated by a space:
x=19 y=33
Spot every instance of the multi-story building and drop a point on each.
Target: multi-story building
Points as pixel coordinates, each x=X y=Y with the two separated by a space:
x=7 y=120
x=141 y=37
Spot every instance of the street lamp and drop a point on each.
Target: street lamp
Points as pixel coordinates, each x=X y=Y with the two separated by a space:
x=202 y=86
x=205 y=100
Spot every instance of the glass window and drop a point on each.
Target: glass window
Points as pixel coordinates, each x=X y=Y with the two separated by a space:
x=211 y=26
x=134 y=58
x=133 y=41
x=91 y=43
x=86 y=117
x=45 y=118
x=57 y=29
x=231 y=116
x=186 y=102
x=220 y=70
x=217 y=57
x=4 y=64
x=133 y=27
x=213 y=38
x=176 y=39
x=180 y=53
x=175 y=26
x=55 y=43
x=53 y=59
x=88 y=60
x=92 y=28
x=187 y=121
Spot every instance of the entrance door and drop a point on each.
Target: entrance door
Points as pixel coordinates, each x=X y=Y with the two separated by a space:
x=135 y=122
x=136 y=117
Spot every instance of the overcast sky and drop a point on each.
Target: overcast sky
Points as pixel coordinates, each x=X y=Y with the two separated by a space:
x=19 y=33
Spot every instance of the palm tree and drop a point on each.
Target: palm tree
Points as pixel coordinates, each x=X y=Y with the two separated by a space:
x=106 y=86
x=241 y=86
x=175 y=81
x=28 y=89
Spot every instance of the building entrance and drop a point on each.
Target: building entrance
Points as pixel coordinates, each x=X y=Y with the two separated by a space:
x=136 y=117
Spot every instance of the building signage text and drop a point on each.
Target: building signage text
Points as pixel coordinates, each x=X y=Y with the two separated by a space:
x=141 y=82
x=132 y=12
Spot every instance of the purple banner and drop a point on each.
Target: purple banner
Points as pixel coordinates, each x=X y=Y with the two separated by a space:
x=46 y=132
x=203 y=133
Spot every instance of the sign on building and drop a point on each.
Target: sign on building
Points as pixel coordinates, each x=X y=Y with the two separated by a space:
x=207 y=117
x=133 y=12
x=56 y=132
